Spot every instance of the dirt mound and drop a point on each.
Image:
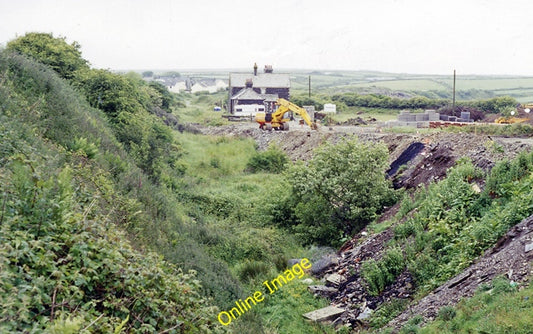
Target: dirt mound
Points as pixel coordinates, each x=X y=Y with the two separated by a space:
x=415 y=158
x=509 y=257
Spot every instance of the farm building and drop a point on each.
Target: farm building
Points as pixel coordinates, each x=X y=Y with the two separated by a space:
x=253 y=92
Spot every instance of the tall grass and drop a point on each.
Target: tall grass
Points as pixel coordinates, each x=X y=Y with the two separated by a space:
x=499 y=307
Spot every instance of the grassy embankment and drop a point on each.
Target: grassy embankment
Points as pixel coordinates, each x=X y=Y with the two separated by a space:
x=63 y=170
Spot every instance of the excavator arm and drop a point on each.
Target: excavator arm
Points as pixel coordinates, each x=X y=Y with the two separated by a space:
x=276 y=121
x=285 y=106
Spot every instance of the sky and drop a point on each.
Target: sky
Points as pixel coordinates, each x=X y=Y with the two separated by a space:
x=399 y=36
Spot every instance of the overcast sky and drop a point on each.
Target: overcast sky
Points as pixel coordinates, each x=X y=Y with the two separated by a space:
x=407 y=36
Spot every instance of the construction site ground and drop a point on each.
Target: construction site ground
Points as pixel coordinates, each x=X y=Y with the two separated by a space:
x=425 y=158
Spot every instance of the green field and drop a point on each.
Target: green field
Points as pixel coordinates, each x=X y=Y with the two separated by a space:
x=468 y=86
x=408 y=84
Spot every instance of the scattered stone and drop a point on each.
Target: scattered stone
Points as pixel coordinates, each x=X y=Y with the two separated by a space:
x=322 y=290
x=365 y=314
x=337 y=322
x=529 y=247
x=334 y=279
x=324 y=314
x=476 y=188
x=306 y=281
x=325 y=262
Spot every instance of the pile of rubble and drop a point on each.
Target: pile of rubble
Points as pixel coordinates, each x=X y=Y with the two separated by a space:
x=351 y=304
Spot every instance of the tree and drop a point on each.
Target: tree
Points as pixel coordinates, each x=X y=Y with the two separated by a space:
x=341 y=190
x=112 y=93
x=62 y=57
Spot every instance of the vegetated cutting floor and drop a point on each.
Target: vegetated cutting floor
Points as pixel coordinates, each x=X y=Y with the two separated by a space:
x=435 y=153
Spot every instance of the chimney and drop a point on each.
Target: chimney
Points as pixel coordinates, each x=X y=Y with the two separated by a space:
x=255 y=69
x=249 y=83
x=268 y=69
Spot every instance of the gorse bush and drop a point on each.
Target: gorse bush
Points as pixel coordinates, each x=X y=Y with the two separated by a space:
x=62 y=57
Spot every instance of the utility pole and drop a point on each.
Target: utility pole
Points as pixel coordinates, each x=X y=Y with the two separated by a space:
x=453 y=103
x=309 y=86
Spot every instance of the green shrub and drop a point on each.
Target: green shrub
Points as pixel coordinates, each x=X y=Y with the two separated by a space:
x=62 y=57
x=379 y=274
x=446 y=313
x=272 y=160
x=409 y=329
x=252 y=269
x=77 y=264
x=82 y=145
x=387 y=311
x=340 y=190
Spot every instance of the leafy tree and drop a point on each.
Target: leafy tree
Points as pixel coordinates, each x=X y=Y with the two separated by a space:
x=167 y=99
x=109 y=92
x=64 y=58
x=341 y=190
x=127 y=100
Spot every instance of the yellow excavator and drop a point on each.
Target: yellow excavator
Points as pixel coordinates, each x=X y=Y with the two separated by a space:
x=278 y=120
x=522 y=111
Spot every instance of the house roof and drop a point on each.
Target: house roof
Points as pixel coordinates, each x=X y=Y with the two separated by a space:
x=250 y=94
x=261 y=80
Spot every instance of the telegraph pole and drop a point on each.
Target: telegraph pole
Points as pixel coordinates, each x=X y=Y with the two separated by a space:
x=309 y=86
x=453 y=103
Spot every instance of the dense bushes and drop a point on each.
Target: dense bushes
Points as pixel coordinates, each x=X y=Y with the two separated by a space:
x=50 y=138
x=492 y=105
x=62 y=57
x=272 y=160
x=128 y=102
x=63 y=264
x=338 y=192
